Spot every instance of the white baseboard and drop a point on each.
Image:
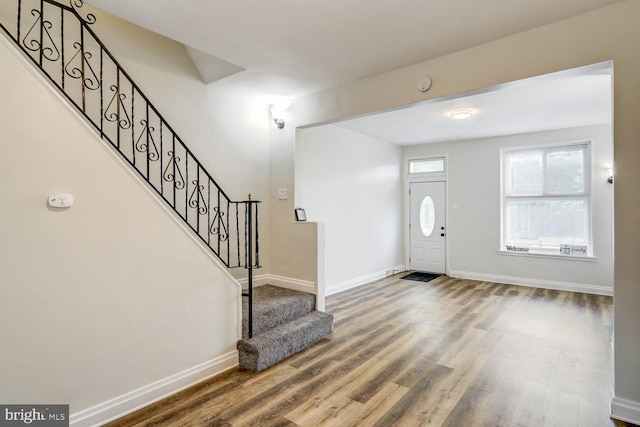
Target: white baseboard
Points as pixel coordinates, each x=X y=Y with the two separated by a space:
x=625 y=410
x=536 y=283
x=283 y=282
x=144 y=396
x=359 y=281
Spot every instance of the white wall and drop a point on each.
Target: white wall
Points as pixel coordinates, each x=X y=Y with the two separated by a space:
x=473 y=230
x=609 y=33
x=108 y=296
x=228 y=132
x=352 y=184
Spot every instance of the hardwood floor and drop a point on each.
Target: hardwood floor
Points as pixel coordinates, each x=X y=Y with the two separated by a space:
x=448 y=352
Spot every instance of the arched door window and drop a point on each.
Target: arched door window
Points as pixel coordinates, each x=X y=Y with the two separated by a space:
x=427 y=216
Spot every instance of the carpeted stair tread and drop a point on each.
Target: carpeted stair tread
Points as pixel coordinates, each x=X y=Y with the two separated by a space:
x=273 y=306
x=276 y=344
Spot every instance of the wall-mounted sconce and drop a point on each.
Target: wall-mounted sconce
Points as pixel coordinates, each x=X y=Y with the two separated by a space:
x=610 y=179
x=277 y=114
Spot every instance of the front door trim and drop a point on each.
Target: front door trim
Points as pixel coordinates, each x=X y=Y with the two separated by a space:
x=418 y=178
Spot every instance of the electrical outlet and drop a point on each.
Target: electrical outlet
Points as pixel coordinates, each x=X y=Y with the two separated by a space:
x=282 y=194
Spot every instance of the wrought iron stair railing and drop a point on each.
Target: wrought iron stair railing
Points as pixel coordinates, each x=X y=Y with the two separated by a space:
x=58 y=39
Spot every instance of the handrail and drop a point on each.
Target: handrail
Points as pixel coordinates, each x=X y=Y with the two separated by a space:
x=59 y=41
x=145 y=140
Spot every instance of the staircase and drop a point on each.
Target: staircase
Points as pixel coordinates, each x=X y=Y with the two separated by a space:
x=284 y=322
x=59 y=41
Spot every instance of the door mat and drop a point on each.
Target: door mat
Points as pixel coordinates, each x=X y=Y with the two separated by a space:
x=420 y=277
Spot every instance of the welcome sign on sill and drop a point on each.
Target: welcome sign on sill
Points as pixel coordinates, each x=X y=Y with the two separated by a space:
x=517 y=249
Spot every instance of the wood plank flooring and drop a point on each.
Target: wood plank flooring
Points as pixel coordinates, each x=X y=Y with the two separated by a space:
x=449 y=352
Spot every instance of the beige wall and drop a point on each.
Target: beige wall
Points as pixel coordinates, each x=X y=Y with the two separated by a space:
x=610 y=33
x=294 y=246
x=105 y=297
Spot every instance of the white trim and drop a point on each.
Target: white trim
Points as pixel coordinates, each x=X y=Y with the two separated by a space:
x=419 y=178
x=144 y=396
x=625 y=410
x=425 y=176
x=588 y=193
x=549 y=256
x=283 y=282
x=363 y=280
x=291 y=283
x=534 y=283
x=426 y=159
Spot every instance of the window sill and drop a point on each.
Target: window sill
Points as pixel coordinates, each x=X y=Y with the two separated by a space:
x=550 y=256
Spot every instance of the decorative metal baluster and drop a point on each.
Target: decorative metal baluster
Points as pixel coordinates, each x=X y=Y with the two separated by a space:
x=209 y=210
x=82 y=70
x=246 y=234
x=102 y=92
x=257 y=234
x=186 y=188
x=40 y=47
x=161 y=159
x=78 y=4
x=218 y=226
x=171 y=177
x=74 y=71
x=196 y=205
x=62 y=48
x=197 y=201
x=44 y=44
x=148 y=133
x=133 y=125
x=17 y=39
x=249 y=264
x=175 y=202
x=34 y=45
x=238 y=231
x=215 y=223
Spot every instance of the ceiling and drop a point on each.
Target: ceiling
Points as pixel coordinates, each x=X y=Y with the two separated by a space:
x=571 y=98
x=290 y=48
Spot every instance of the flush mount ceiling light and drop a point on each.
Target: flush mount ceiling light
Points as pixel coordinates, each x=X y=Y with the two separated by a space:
x=461 y=114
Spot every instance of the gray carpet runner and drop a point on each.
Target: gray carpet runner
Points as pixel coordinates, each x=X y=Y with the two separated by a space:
x=284 y=323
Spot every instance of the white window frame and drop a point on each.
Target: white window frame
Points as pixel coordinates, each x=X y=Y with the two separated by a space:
x=586 y=195
x=426 y=174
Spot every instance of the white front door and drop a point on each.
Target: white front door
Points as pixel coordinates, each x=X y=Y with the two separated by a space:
x=427 y=226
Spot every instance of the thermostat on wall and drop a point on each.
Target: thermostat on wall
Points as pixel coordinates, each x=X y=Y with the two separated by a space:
x=60 y=200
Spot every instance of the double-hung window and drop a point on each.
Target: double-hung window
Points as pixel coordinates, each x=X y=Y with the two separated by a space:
x=546 y=200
